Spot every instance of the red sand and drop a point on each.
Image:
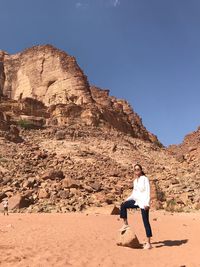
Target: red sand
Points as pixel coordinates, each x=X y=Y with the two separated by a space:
x=81 y=240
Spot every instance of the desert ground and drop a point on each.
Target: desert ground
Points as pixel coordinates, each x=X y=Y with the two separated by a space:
x=86 y=239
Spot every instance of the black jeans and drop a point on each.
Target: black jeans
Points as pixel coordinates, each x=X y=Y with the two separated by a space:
x=130 y=204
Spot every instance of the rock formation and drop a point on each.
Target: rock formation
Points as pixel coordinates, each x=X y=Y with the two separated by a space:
x=57 y=86
x=44 y=73
x=67 y=146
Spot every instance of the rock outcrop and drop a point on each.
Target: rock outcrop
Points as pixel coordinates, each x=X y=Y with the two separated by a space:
x=120 y=115
x=190 y=145
x=48 y=83
x=44 y=73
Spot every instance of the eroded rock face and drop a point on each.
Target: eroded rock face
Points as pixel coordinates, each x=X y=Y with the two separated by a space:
x=119 y=114
x=44 y=73
x=2 y=74
x=48 y=83
x=190 y=144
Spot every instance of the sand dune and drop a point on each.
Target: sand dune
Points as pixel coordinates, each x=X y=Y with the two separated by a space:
x=90 y=240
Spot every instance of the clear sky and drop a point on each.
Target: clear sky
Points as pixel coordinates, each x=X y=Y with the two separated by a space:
x=146 y=51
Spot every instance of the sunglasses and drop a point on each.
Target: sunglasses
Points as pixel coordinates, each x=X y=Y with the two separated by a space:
x=137 y=169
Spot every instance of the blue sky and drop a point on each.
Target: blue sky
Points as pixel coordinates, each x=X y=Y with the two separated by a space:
x=146 y=51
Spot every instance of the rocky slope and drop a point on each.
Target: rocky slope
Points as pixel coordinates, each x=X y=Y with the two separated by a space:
x=66 y=145
x=73 y=168
x=189 y=150
x=188 y=155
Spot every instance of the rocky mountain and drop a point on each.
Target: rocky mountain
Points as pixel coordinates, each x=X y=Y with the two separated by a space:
x=59 y=88
x=43 y=73
x=67 y=145
x=189 y=149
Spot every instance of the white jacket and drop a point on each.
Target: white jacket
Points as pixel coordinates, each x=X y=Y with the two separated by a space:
x=141 y=192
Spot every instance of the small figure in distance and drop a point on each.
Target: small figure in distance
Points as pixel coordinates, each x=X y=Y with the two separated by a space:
x=5 y=206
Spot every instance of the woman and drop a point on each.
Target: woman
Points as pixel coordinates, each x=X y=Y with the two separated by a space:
x=140 y=198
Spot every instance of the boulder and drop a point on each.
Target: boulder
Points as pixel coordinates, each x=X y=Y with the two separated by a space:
x=6 y=180
x=63 y=194
x=60 y=135
x=4 y=124
x=115 y=210
x=43 y=193
x=13 y=135
x=96 y=186
x=52 y=175
x=128 y=238
x=2 y=196
x=18 y=202
x=29 y=183
x=70 y=183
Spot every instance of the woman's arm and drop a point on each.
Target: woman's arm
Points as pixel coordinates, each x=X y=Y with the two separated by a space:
x=147 y=192
x=130 y=197
x=132 y=194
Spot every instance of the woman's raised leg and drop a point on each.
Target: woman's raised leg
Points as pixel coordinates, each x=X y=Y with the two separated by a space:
x=129 y=204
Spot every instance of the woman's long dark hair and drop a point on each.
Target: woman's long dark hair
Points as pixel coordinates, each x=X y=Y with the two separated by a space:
x=138 y=165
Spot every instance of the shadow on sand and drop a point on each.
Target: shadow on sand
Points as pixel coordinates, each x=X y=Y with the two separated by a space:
x=170 y=243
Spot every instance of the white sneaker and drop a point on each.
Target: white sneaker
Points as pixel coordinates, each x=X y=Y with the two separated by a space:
x=124 y=227
x=147 y=246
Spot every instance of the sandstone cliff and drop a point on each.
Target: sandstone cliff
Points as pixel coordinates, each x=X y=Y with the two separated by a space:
x=55 y=81
x=44 y=73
